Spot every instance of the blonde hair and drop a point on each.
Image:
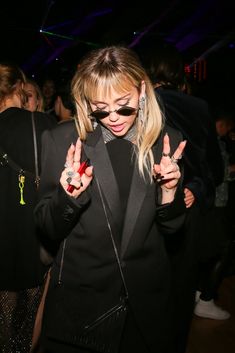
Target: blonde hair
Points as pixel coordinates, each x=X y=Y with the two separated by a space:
x=39 y=95
x=118 y=68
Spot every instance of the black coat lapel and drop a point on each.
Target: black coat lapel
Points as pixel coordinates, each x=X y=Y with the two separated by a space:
x=96 y=151
x=137 y=195
x=135 y=201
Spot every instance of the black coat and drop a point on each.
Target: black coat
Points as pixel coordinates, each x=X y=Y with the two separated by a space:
x=85 y=279
x=203 y=170
x=20 y=266
x=203 y=163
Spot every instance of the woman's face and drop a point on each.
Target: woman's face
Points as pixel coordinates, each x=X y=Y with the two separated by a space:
x=32 y=103
x=48 y=89
x=118 y=124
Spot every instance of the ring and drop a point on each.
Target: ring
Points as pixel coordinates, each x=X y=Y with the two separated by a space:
x=67 y=165
x=70 y=173
x=180 y=156
x=75 y=161
x=165 y=154
x=68 y=180
x=174 y=160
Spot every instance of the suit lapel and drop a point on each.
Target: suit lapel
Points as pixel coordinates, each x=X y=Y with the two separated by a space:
x=97 y=153
x=137 y=195
x=135 y=201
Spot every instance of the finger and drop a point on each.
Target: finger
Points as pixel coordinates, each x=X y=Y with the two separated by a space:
x=89 y=171
x=156 y=168
x=179 y=151
x=172 y=167
x=170 y=176
x=166 y=146
x=69 y=156
x=77 y=152
x=188 y=204
x=81 y=183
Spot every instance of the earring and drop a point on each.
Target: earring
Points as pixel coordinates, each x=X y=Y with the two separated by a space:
x=94 y=123
x=141 y=108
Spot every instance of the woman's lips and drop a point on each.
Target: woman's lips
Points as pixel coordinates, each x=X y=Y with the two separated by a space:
x=117 y=128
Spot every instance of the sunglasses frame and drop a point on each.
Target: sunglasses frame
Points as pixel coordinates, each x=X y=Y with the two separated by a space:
x=118 y=111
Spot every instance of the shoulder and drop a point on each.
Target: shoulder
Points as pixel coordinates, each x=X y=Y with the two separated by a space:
x=172 y=132
x=16 y=113
x=45 y=119
x=18 y=118
x=169 y=95
x=63 y=131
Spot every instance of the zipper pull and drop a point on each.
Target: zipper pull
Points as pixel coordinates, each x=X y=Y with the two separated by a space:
x=21 y=187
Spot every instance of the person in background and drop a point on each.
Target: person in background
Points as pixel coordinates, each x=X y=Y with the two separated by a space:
x=65 y=108
x=111 y=283
x=203 y=168
x=218 y=231
x=49 y=92
x=35 y=101
x=21 y=269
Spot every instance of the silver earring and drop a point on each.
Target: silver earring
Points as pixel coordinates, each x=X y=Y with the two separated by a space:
x=94 y=123
x=141 y=108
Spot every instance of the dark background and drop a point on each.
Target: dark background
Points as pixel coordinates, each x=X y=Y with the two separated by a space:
x=49 y=37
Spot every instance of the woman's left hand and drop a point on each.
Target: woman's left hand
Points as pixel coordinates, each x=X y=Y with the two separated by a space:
x=167 y=172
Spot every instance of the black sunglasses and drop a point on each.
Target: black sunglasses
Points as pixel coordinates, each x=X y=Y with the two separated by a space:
x=101 y=114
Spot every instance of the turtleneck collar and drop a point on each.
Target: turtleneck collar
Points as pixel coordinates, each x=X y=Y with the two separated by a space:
x=108 y=136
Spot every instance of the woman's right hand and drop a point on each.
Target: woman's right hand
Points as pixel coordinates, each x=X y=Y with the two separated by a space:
x=189 y=198
x=70 y=176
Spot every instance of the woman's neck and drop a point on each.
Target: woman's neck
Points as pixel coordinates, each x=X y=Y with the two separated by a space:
x=10 y=103
x=108 y=136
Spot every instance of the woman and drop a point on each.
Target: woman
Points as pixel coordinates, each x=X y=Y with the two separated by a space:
x=35 y=101
x=110 y=288
x=49 y=92
x=21 y=271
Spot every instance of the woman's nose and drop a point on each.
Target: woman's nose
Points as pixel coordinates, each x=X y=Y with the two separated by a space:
x=113 y=116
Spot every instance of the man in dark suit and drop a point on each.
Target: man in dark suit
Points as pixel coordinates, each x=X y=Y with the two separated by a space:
x=203 y=167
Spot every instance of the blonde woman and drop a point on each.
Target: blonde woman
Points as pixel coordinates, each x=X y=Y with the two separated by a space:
x=111 y=287
x=35 y=101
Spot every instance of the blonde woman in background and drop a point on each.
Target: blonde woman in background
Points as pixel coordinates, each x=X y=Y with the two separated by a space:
x=35 y=100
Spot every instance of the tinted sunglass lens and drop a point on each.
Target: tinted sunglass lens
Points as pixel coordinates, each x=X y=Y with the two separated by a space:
x=126 y=111
x=99 y=114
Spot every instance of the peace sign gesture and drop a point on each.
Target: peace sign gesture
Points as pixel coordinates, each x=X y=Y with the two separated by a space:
x=167 y=172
